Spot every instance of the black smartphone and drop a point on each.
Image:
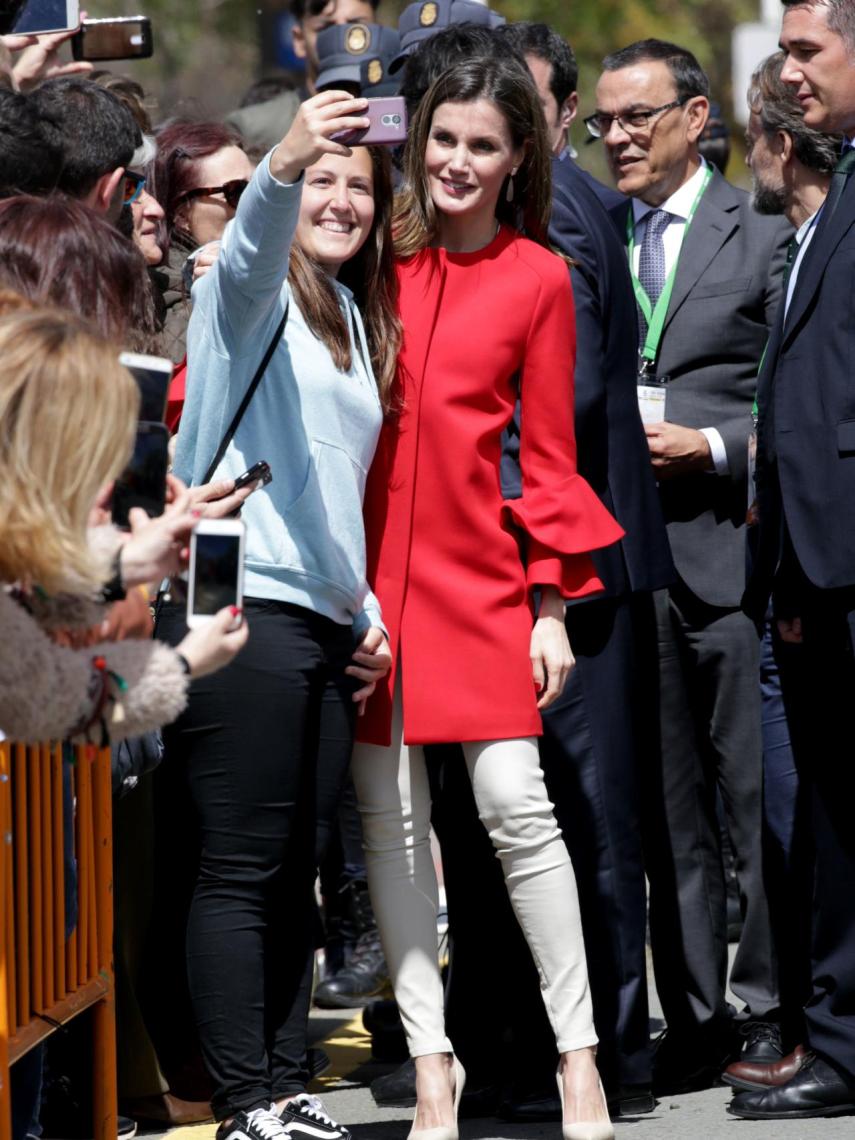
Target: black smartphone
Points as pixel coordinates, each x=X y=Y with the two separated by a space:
x=143 y=482
x=260 y=470
x=153 y=375
x=125 y=37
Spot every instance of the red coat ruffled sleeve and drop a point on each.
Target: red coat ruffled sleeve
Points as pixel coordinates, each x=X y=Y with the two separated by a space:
x=561 y=517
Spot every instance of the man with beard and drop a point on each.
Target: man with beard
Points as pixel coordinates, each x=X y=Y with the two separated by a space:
x=792 y=165
x=805 y=557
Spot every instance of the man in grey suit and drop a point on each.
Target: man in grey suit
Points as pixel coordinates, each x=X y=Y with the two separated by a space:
x=707 y=275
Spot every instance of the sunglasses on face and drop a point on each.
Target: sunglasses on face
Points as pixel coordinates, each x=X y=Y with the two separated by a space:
x=231 y=191
x=134 y=186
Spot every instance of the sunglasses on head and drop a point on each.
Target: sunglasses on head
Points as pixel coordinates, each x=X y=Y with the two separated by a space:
x=134 y=186
x=231 y=191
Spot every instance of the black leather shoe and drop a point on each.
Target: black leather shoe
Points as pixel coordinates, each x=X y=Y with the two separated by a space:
x=398 y=1089
x=364 y=978
x=530 y=1107
x=816 y=1090
x=479 y=1102
x=631 y=1100
x=763 y=1044
x=682 y=1065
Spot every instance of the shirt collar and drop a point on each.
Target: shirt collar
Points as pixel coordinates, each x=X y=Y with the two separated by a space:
x=803 y=229
x=681 y=201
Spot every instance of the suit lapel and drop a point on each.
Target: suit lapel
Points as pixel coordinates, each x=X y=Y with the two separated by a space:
x=713 y=224
x=829 y=234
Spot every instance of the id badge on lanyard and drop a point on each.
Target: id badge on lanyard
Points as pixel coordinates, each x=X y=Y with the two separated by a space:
x=651 y=393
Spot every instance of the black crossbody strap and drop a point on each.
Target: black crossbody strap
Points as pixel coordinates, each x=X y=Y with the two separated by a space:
x=245 y=402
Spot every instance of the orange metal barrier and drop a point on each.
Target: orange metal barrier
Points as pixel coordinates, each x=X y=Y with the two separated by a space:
x=47 y=979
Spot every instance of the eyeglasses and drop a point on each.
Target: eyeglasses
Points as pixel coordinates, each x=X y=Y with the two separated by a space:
x=633 y=122
x=231 y=191
x=134 y=186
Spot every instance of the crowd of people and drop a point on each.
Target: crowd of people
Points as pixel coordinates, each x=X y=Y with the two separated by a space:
x=555 y=562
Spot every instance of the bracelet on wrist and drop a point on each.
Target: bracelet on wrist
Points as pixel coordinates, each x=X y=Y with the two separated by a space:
x=113 y=589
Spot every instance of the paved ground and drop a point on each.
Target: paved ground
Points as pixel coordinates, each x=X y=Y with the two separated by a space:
x=701 y=1116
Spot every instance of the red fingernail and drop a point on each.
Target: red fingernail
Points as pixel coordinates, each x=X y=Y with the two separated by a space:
x=235 y=610
x=196 y=513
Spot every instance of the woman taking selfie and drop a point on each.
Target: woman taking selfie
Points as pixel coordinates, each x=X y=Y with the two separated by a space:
x=471 y=663
x=267 y=747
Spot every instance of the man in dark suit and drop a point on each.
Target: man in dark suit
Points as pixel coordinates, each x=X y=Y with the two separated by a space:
x=806 y=550
x=706 y=272
x=590 y=748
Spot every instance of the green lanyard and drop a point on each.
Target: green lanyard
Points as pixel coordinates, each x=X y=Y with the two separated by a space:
x=655 y=317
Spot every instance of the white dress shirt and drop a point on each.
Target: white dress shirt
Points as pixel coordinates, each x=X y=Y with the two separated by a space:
x=804 y=236
x=679 y=206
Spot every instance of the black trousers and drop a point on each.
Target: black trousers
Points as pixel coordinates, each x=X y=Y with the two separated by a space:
x=265 y=745
x=709 y=703
x=820 y=713
x=589 y=755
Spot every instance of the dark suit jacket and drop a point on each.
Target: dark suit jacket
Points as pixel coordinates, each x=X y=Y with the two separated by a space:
x=725 y=300
x=612 y=450
x=806 y=430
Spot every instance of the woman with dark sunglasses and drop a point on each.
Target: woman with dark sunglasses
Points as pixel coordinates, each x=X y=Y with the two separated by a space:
x=197 y=176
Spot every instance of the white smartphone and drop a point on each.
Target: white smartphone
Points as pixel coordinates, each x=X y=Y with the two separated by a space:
x=39 y=17
x=216 y=568
x=153 y=375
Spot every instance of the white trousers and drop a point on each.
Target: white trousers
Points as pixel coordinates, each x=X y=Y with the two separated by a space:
x=394 y=802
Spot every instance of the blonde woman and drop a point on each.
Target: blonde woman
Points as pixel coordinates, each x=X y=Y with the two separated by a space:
x=68 y=413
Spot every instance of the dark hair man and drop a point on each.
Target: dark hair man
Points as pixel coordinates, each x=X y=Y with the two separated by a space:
x=29 y=162
x=554 y=69
x=443 y=50
x=707 y=275
x=806 y=550
x=311 y=17
x=96 y=135
x=791 y=165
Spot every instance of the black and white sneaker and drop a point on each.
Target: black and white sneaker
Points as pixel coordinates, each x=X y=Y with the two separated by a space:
x=260 y=1124
x=305 y=1118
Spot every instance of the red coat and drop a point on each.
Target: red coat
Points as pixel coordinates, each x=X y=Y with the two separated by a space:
x=444 y=549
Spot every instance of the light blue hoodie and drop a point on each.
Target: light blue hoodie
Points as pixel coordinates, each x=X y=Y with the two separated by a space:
x=317 y=427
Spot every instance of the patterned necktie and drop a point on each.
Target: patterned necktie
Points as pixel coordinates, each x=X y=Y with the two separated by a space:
x=651 y=261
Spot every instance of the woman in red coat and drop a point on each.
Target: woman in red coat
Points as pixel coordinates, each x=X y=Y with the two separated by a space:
x=488 y=317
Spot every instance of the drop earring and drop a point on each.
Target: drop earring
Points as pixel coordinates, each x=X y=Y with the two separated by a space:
x=509 y=193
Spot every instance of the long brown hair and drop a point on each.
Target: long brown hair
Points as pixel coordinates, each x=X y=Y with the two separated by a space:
x=507 y=84
x=371 y=277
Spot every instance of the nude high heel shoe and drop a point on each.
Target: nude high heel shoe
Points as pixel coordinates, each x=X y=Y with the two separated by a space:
x=445 y=1133
x=585 y=1129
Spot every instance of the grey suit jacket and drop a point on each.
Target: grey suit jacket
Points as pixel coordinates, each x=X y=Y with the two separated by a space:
x=726 y=295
